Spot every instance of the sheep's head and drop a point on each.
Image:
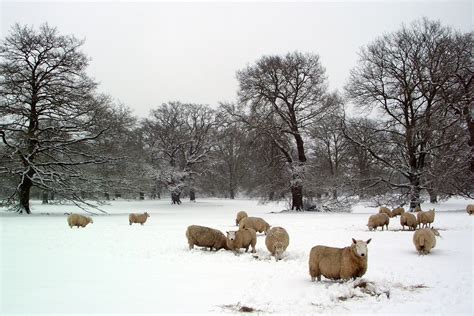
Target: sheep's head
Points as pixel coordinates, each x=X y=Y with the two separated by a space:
x=90 y=220
x=231 y=235
x=435 y=232
x=360 y=247
x=146 y=214
x=279 y=249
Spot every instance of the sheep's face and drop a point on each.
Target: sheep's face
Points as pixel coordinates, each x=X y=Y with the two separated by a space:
x=90 y=220
x=146 y=214
x=435 y=232
x=360 y=247
x=231 y=235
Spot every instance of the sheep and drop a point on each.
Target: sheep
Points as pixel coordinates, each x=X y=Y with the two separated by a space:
x=242 y=238
x=257 y=223
x=138 y=218
x=417 y=209
x=425 y=239
x=470 y=209
x=376 y=220
x=240 y=215
x=385 y=210
x=425 y=218
x=78 y=220
x=205 y=237
x=277 y=241
x=339 y=263
x=409 y=220
x=398 y=211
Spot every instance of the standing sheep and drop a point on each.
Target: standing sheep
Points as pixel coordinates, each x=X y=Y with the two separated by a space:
x=79 y=220
x=425 y=240
x=138 y=218
x=277 y=241
x=256 y=223
x=339 y=263
x=426 y=218
x=409 y=220
x=376 y=220
x=205 y=237
x=470 y=209
x=240 y=215
x=242 y=238
x=398 y=211
x=385 y=210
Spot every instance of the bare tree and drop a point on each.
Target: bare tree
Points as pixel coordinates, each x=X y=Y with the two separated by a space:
x=179 y=136
x=49 y=110
x=283 y=95
x=403 y=77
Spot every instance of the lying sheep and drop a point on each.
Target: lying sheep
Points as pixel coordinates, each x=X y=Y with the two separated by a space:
x=470 y=209
x=339 y=263
x=376 y=220
x=277 y=241
x=78 y=220
x=138 y=218
x=242 y=238
x=425 y=240
x=425 y=218
x=385 y=210
x=205 y=237
x=409 y=220
x=398 y=211
x=240 y=215
x=256 y=223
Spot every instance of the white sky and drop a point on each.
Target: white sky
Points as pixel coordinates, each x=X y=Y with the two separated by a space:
x=148 y=53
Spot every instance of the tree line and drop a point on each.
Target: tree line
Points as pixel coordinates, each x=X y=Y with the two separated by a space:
x=402 y=127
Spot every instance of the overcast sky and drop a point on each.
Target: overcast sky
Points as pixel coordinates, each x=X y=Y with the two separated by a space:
x=148 y=53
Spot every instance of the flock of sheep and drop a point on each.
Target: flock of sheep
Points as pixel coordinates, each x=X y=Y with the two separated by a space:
x=332 y=263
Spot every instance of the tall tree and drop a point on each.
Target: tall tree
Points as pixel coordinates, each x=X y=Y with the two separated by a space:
x=403 y=76
x=179 y=136
x=49 y=111
x=283 y=95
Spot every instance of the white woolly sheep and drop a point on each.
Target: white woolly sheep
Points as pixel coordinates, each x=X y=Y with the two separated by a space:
x=257 y=223
x=470 y=209
x=376 y=220
x=425 y=218
x=409 y=220
x=79 y=220
x=138 y=218
x=385 y=210
x=425 y=239
x=205 y=237
x=277 y=241
x=398 y=211
x=242 y=238
x=240 y=216
x=339 y=263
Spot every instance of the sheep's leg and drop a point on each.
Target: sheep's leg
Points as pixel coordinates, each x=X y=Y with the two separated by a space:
x=247 y=249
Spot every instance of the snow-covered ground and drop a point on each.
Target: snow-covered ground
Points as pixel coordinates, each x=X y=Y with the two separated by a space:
x=111 y=267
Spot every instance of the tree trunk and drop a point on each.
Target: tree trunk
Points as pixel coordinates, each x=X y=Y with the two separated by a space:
x=51 y=196
x=107 y=196
x=142 y=196
x=433 y=196
x=44 y=197
x=175 y=197
x=231 y=193
x=334 y=194
x=192 y=195
x=24 y=193
x=297 y=198
x=414 y=193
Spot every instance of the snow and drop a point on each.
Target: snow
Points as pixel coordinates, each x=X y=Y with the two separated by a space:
x=111 y=267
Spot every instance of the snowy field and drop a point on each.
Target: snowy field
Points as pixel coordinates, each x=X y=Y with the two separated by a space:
x=111 y=267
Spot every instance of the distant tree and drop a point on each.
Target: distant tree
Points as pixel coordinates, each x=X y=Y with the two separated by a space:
x=405 y=77
x=330 y=148
x=179 y=137
x=231 y=156
x=49 y=112
x=283 y=96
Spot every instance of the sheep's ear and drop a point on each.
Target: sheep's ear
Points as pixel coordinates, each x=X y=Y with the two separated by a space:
x=368 y=241
x=354 y=241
